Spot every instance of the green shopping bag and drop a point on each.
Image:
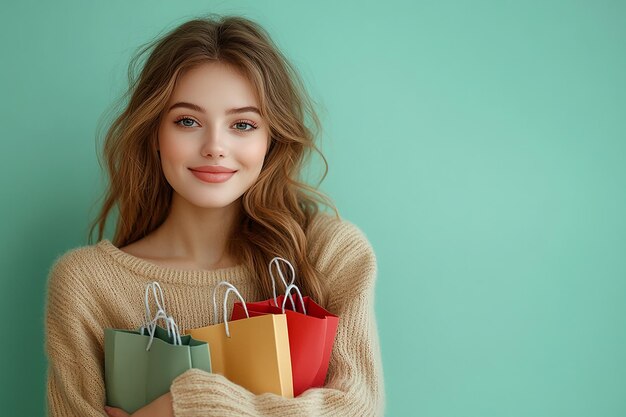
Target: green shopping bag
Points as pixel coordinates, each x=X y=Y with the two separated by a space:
x=140 y=365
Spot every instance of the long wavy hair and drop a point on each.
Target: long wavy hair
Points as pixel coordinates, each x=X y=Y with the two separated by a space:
x=277 y=209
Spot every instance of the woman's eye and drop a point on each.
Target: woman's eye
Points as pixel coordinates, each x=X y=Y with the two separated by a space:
x=244 y=124
x=185 y=122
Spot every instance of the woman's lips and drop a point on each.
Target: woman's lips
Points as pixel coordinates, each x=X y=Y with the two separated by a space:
x=213 y=177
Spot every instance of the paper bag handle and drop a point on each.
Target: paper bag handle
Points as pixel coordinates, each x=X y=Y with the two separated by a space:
x=282 y=277
x=170 y=324
x=288 y=295
x=231 y=288
x=158 y=299
x=150 y=324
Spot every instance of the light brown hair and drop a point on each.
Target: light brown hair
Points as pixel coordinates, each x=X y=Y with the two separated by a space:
x=277 y=210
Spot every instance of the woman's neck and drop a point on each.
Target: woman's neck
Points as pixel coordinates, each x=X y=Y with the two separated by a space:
x=197 y=236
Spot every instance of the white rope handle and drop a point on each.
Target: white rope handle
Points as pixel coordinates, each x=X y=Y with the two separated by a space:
x=151 y=322
x=172 y=329
x=160 y=305
x=231 y=288
x=288 y=295
x=276 y=260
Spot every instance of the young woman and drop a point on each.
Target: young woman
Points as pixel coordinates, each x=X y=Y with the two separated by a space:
x=204 y=165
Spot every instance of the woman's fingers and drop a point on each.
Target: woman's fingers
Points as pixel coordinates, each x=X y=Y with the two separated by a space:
x=115 y=412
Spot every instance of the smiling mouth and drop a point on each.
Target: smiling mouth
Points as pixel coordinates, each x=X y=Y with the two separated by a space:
x=215 y=169
x=213 y=177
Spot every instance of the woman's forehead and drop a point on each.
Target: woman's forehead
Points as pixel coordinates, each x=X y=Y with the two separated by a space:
x=214 y=85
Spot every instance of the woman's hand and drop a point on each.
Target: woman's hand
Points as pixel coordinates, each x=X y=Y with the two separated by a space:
x=161 y=407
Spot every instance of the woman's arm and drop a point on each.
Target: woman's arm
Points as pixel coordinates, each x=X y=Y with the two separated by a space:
x=75 y=381
x=355 y=379
x=160 y=407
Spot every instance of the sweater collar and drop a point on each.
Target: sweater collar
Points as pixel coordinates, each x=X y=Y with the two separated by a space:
x=233 y=274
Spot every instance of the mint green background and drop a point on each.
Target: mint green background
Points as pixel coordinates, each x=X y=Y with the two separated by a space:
x=480 y=146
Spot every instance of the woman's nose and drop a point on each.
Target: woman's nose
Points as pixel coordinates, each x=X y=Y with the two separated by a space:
x=213 y=145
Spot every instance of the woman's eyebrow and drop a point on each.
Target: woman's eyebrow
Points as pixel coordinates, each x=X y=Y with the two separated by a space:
x=195 y=107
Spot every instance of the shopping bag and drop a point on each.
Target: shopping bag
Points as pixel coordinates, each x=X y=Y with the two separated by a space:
x=140 y=365
x=311 y=329
x=252 y=352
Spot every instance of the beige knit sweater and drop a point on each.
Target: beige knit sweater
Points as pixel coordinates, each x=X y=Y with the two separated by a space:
x=94 y=287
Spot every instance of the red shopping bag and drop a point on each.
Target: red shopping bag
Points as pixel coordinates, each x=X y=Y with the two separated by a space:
x=311 y=330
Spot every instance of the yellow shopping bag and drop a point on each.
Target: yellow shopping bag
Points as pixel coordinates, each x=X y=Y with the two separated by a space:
x=252 y=352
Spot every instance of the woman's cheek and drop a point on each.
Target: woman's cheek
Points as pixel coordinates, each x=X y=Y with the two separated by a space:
x=254 y=153
x=175 y=148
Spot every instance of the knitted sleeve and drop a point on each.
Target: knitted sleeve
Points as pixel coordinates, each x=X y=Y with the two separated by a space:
x=354 y=385
x=75 y=382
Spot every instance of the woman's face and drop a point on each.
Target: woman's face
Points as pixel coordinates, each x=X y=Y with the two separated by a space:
x=210 y=124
